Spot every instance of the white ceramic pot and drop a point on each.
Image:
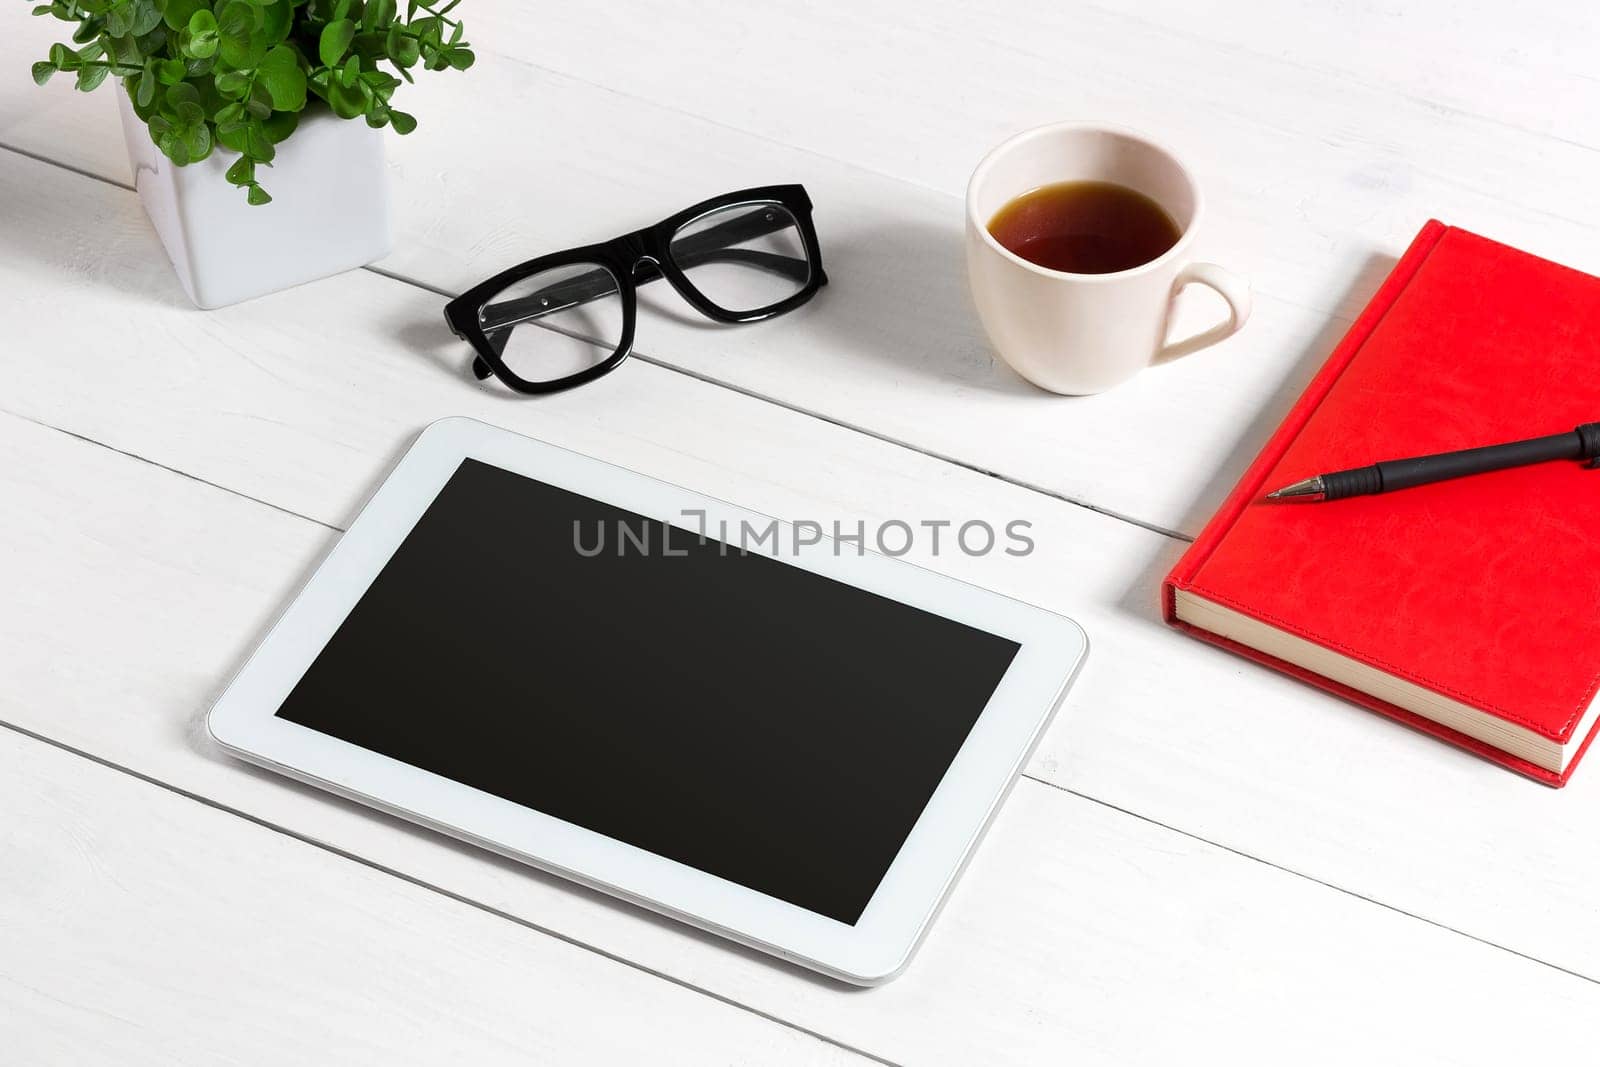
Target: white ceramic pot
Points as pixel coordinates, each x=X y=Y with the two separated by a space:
x=329 y=209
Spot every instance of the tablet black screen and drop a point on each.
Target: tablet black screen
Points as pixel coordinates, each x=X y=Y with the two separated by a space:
x=745 y=717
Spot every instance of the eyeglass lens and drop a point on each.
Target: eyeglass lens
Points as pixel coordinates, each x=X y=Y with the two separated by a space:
x=743 y=258
x=556 y=323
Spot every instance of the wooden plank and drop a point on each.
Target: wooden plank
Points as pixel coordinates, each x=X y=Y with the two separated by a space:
x=1315 y=184
x=134 y=592
x=142 y=928
x=1479 y=57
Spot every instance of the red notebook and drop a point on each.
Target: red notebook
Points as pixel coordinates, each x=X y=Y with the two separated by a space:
x=1469 y=609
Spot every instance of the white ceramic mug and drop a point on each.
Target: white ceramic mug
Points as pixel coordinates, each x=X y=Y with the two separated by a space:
x=1084 y=333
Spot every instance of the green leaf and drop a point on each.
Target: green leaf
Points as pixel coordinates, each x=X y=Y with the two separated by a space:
x=257 y=143
x=277 y=20
x=147 y=87
x=64 y=58
x=402 y=122
x=177 y=13
x=378 y=15
x=199 y=138
x=176 y=148
x=402 y=48
x=146 y=17
x=336 y=37
x=119 y=19
x=180 y=94
x=232 y=135
x=240 y=16
x=243 y=53
x=171 y=71
x=153 y=42
x=211 y=101
x=280 y=125
x=200 y=39
x=240 y=25
x=284 y=80
x=350 y=72
x=381 y=81
x=257 y=196
x=42 y=71
x=259 y=102
x=242 y=172
x=126 y=50
x=232 y=83
x=346 y=102
x=460 y=58
x=89 y=78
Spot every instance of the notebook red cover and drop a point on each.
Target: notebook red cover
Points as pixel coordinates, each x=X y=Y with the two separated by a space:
x=1484 y=589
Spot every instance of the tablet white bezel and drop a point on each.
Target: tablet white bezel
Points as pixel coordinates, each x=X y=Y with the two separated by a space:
x=879 y=945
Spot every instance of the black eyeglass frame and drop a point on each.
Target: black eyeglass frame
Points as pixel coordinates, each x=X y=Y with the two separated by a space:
x=633 y=260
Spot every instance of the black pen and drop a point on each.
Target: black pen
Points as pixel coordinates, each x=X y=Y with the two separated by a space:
x=1582 y=443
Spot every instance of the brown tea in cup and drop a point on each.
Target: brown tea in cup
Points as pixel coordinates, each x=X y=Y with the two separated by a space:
x=1085 y=227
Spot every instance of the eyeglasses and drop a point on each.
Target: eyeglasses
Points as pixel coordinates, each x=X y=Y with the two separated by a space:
x=564 y=319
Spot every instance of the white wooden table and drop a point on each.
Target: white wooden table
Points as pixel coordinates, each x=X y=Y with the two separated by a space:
x=1206 y=861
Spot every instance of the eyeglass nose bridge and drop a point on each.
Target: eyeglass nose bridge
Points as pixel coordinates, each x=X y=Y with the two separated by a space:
x=636 y=248
x=646 y=269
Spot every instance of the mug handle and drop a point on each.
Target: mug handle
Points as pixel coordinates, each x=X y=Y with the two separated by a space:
x=1232 y=287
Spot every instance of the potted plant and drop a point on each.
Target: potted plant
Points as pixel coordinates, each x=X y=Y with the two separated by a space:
x=238 y=120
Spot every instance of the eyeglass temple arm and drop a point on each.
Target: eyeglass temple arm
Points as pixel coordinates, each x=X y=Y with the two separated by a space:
x=708 y=246
x=598 y=283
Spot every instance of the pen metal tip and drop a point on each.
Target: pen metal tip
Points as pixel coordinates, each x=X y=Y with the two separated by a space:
x=1307 y=490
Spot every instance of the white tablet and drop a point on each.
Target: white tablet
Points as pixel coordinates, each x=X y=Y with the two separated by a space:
x=787 y=740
